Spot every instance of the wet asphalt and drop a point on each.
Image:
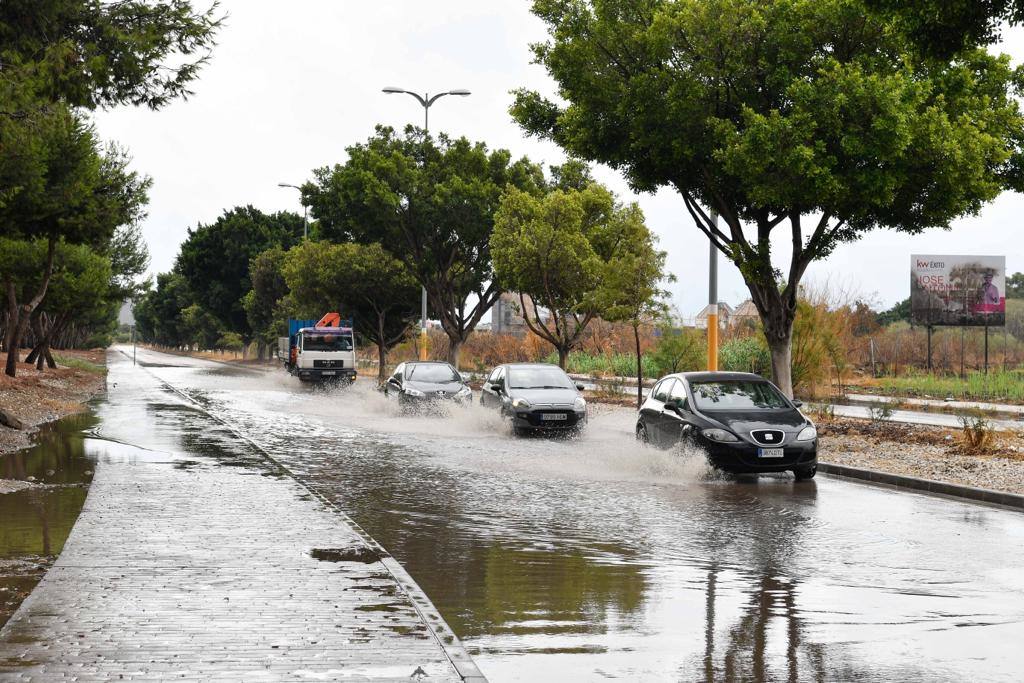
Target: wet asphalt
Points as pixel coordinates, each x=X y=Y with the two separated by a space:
x=595 y=558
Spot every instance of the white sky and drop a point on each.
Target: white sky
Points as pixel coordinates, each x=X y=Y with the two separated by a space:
x=290 y=85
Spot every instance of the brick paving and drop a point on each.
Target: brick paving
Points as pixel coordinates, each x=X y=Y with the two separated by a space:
x=183 y=569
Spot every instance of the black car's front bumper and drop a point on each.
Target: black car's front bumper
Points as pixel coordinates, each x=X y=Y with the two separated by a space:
x=742 y=457
x=535 y=419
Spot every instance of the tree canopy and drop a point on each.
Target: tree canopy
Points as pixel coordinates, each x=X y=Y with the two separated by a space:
x=557 y=251
x=214 y=259
x=89 y=53
x=431 y=201
x=809 y=115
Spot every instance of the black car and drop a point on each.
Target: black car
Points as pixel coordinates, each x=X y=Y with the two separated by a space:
x=743 y=422
x=535 y=396
x=422 y=383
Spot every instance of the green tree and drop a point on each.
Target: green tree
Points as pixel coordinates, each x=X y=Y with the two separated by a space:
x=432 y=202
x=89 y=53
x=215 y=258
x=809 y=116
x=364 y=282
x=79 y=292
x=158 y=314
x=263 y=302
x=65 y=189
x=945 y=27
x=631 y=292
x=899 y=311
x=556 y=251
x=679 y=350
x=1015 y=286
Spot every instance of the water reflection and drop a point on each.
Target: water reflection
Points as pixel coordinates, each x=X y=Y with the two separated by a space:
x=36 y=521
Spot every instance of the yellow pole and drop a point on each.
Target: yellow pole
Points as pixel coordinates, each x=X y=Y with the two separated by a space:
x=423 y=344
x=713 y=337
x=713 y=302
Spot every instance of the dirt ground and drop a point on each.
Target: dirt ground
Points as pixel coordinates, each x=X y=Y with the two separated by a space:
x=38 y=397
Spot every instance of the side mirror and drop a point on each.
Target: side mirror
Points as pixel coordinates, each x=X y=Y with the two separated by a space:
x=797 y=403
x=674 y=407
x=495 y=387
x=580 y=387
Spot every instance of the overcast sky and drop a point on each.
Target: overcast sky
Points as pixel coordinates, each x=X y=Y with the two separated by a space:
x=290 y=85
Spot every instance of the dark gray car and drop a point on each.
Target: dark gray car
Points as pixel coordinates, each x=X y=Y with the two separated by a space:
x=427 y=382
x=535 y=396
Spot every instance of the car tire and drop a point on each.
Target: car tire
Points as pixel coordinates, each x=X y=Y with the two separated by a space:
x=641 y=433
x=805 y=473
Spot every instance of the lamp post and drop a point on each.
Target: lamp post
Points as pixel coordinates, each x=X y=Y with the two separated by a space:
x=305 y=210
x=426 y=101
x=713 y=302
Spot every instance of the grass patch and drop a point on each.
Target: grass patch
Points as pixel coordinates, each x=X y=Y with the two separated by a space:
x=997 y=384
x=79 y=364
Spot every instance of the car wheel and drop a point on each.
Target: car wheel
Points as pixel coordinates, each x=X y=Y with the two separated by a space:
x=641 y=433
x=805 y=473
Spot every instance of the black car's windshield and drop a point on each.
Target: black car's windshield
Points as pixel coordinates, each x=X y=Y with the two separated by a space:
x=326 y=342
x=737 y=395
x=538 y=378
x=432 y=372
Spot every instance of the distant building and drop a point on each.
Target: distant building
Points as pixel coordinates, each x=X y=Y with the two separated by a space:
x=507 y=316
x=724 y=316
x=745 y=314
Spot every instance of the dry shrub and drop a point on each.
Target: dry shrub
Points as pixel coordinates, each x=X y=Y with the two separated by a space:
x=978 y=433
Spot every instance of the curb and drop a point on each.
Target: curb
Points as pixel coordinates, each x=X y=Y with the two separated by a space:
x=1012 y=501
x=442 y=633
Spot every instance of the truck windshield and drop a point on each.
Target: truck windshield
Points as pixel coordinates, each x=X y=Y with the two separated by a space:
x=326 y=342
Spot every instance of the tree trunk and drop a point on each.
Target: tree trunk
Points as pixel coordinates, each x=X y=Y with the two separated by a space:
x=639 y=369
x=781 y=349
x=382 y=351
x=454 y=348
x=18 y=316
x=563 y=357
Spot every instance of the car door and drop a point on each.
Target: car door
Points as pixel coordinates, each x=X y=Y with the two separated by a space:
x=488 y=397
x=394 y=383
x=676 y=418
x=654 y=409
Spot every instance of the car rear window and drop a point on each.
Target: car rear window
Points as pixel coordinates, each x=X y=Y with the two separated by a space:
x=737 y=395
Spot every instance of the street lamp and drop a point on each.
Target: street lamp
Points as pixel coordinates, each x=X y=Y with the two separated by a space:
x=305 y=210
x=425 y=101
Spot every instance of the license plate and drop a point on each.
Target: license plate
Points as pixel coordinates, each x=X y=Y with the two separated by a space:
x=329 y=372
x=770 y=452
x=554 y=416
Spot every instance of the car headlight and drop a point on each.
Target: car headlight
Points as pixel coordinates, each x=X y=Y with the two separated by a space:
x=412 y=392
x=464 y=392
x=719 y=435
x=807 y=434
x=520 y=403
x=579 y=405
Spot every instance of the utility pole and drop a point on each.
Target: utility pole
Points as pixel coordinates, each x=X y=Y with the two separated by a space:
x=425 y=101
x=305 y=211
x=713 y=300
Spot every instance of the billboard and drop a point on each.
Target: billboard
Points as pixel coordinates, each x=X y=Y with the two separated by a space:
x=958 y=290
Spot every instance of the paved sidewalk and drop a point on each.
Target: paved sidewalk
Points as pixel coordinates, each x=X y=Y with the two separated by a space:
x=966 y=406
x=186 y=569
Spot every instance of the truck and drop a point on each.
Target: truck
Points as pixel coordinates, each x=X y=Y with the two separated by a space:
x=319 y=350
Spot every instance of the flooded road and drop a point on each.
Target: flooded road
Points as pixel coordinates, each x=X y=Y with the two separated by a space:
x=52 y=480
x=596 y=558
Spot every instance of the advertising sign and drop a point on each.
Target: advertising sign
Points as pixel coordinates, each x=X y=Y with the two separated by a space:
x=958 y=290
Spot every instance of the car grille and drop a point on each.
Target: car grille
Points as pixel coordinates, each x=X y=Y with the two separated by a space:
x=536 y=418
x=769 y=437
x=328 y=363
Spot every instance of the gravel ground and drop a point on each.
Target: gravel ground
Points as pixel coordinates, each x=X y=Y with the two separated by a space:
x=926 y=452
x=39 y=397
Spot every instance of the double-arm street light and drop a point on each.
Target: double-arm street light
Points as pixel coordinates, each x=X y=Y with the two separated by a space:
x=426 y=101
x=305 y=210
